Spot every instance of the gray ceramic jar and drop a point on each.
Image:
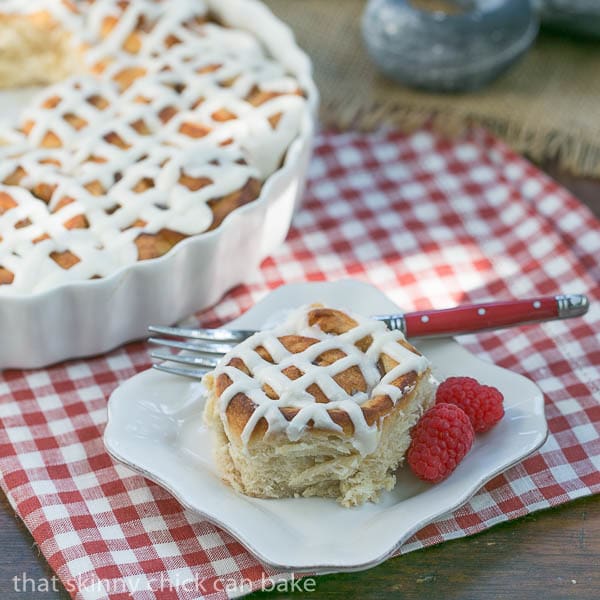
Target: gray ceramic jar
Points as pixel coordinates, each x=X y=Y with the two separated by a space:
x=447 y=45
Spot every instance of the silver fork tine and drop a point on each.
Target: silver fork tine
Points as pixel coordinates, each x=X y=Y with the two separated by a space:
x=202 y=347
x=199 y=361
x=214 y=335
x=185 y=371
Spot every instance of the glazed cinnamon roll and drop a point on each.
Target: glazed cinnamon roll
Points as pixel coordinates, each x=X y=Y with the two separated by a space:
x=321 y=405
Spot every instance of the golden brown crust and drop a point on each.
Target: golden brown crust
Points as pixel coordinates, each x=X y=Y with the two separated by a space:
x=6 y=276
x=221 y=207
x=375 y=409
x=6 y=202
x=153 y=245
x=65 y=259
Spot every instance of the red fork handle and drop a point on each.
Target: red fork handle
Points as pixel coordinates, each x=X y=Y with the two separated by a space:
x=472 y=318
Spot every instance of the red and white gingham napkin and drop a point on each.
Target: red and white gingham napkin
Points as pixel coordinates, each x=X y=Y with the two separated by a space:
x=432 y=223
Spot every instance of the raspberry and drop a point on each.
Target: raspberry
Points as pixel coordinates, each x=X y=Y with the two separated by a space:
x=482 y=403
x=440 y=441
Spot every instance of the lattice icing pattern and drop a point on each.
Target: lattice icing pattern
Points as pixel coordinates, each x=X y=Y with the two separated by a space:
x=270 y=389
x=174 y=121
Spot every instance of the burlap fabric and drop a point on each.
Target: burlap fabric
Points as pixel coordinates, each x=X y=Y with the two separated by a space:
x=547 y=106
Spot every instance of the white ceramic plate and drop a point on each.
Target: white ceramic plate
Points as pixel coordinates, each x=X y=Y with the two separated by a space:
x=155 y=427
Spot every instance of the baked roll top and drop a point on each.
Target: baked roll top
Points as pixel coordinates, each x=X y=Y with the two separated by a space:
x=323 y=371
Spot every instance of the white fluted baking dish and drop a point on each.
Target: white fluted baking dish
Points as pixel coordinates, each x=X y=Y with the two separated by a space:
x=84 y=318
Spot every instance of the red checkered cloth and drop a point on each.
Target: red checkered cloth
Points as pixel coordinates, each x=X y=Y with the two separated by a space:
x=432 y=223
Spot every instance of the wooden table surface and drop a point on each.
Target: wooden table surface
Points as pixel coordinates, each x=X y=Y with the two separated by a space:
x=550 y=555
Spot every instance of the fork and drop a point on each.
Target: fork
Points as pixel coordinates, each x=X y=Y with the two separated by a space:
x=209 y=345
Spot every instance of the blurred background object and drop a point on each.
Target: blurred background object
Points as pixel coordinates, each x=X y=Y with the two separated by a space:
x=579 y=17
x=546 y=106
x=447 y=45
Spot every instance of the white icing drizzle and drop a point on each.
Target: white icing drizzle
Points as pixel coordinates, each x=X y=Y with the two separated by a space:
x=211 y=69
x=293 y=394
